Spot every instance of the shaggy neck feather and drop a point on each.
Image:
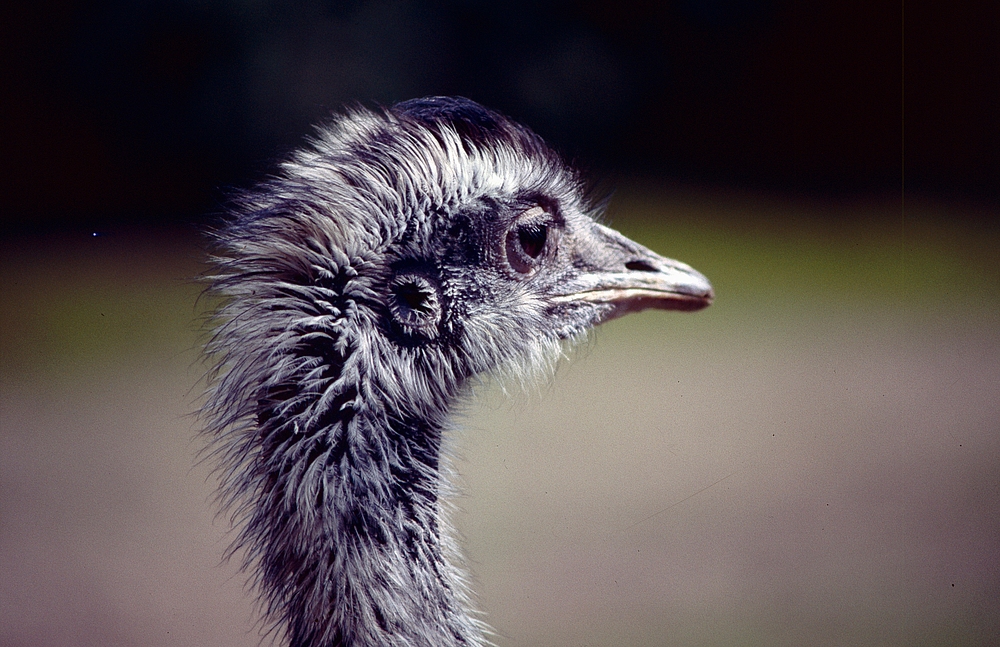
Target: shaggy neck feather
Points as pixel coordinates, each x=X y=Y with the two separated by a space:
x=359 y=557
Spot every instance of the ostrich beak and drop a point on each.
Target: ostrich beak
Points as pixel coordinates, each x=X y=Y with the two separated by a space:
x=622 y=273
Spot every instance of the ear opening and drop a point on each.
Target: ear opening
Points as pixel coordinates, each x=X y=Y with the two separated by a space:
x=415 y=305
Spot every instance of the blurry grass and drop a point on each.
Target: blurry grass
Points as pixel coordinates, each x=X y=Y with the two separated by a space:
x=79 y=301
x=71 y=307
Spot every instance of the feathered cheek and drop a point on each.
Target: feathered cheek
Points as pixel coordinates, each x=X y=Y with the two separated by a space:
x=511 y=325
x=576 y=318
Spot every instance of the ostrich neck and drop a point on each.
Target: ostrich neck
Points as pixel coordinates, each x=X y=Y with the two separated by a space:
x=359 y=553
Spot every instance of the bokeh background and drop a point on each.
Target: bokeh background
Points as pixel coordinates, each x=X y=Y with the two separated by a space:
x=815 y=459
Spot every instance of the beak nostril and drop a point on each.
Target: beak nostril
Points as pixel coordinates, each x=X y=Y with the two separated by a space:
x=640 y=266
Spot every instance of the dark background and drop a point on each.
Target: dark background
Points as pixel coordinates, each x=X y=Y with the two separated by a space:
x=150 y=111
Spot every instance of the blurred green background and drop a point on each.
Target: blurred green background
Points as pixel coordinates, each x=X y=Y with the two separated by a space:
x=812 y=460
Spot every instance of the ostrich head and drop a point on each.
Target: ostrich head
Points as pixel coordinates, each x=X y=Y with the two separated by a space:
x=402 y=253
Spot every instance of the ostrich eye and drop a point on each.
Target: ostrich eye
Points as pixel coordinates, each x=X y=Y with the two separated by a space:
x=532 y=239
x=527 y=240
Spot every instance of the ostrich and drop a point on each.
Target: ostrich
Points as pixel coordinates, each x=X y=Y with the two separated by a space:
x=401 y=254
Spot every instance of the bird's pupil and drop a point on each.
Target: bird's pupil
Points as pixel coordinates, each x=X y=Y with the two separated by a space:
x=532 y=239
x=413 y=296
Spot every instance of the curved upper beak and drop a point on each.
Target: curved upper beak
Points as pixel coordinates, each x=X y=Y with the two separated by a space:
x=622 y=273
